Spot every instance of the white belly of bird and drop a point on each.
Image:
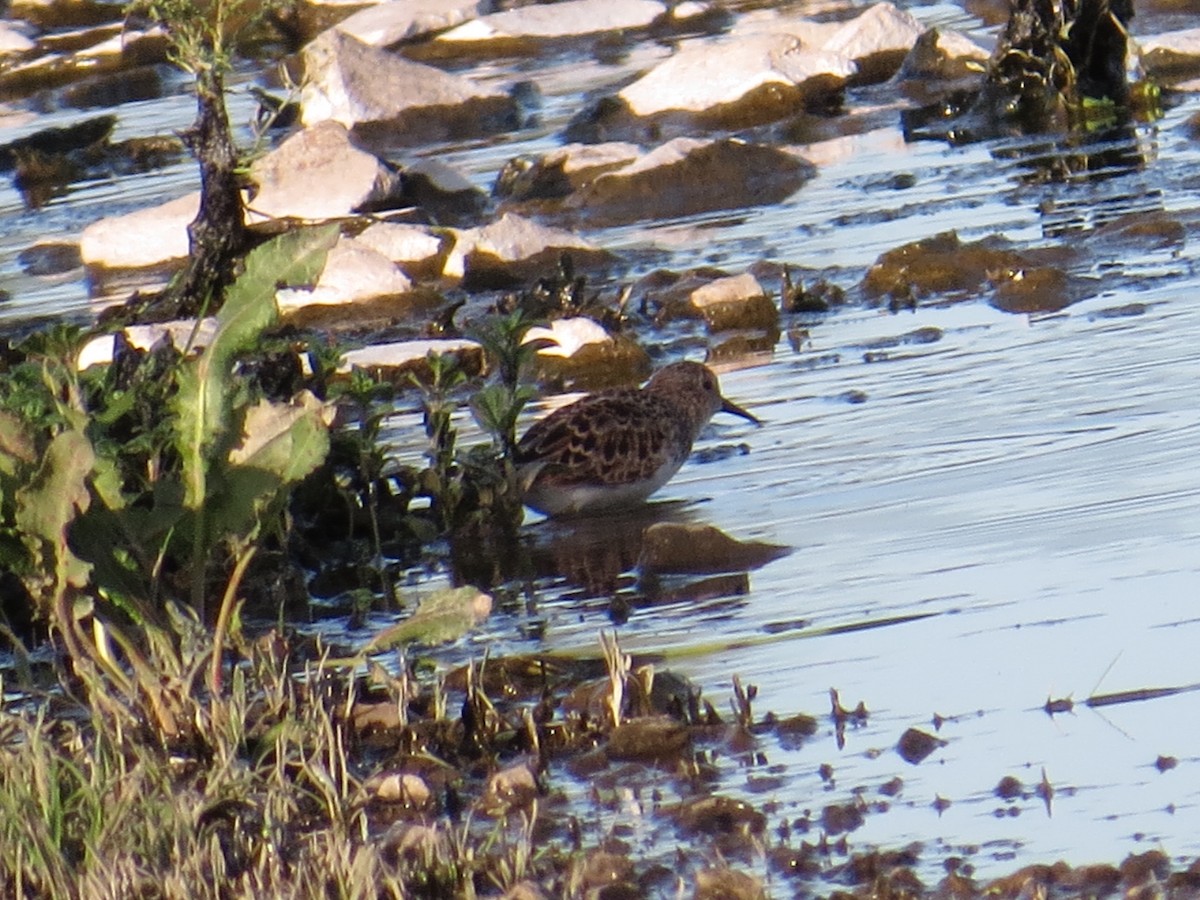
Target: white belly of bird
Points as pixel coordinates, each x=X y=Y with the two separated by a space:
x=556 y=499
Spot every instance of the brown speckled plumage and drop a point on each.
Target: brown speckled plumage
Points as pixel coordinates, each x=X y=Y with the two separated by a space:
x=616 y=447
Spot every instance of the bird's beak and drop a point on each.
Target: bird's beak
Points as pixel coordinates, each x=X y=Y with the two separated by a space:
x=730 y=407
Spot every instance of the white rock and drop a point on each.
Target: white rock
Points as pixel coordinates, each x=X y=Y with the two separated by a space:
x=404 y=353
x=100 y=350
x=141 y=238
x=511 y=239
x=882 y=28
x=402 y=243
x=731 y=289
x=692 y=81
x=581 y=159
x=771 y=21
x=567 y=336
x=318 y=173
x=12 y=40
x=353 y=272
x=568 y=18
x=1185 y=42
x=389 y=23
x=351 y=82
x=121 y=41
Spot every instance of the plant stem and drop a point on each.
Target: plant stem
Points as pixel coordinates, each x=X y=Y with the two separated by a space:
x=226 y=614
x=218 y=233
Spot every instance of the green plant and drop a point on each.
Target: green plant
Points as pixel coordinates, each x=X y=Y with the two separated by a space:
x=442 y=481
x=477 y=488
x=99 y=548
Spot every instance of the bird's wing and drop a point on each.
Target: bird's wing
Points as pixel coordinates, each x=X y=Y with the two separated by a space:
x=607 y=438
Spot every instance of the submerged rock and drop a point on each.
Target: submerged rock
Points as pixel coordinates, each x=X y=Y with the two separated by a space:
x=674 y=547
x=561 y=171
x=735 y=302
x=1024 y=280
x=49 y=258
x=687 y=176
x=915 y=745
x=443 y=194
x=648 y=738
x=384 y=97
x=1173 y=54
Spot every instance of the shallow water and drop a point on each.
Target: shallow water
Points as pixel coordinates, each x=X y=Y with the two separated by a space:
x=985 y=510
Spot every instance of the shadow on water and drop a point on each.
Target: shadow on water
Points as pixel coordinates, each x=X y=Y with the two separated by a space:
x=651 y=555
x=1088 y=177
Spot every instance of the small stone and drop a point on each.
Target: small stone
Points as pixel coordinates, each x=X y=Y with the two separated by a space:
x=735 y=302
x=49 y=258
x=402 y=788
x=683 y=548
x=512 y=250
x=1009 y=788
x=564 y=19
x=915 y=745
x=648 y=738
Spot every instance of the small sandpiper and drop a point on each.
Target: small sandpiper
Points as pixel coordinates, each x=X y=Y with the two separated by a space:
x=615 y=448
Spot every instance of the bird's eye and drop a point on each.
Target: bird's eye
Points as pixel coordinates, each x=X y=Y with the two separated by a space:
x=708 y=383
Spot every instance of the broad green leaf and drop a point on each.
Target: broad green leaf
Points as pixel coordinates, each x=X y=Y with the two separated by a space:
x=16 y=447
x=202 y=404
x=293 y=259
x=47 y=506
x=443 y=616
x=281 y=444
x=290 y=439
